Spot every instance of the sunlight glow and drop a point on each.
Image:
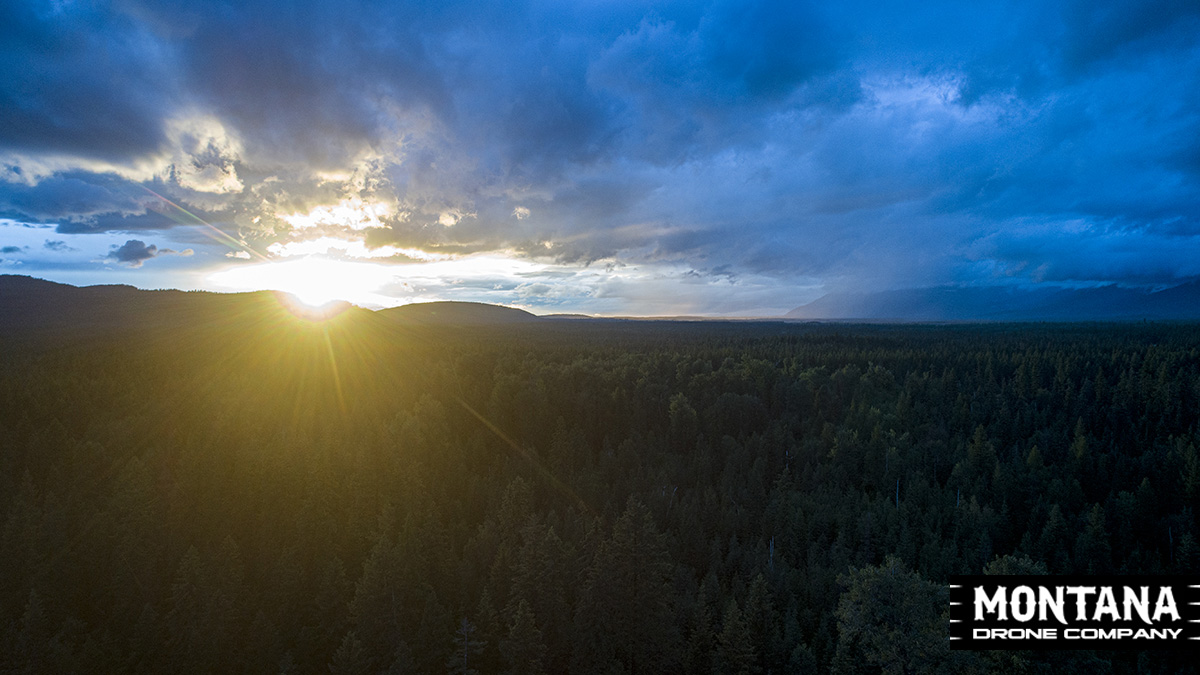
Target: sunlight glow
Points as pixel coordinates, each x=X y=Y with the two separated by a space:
x=352 y=213
x=309 y=311
x=314 y=281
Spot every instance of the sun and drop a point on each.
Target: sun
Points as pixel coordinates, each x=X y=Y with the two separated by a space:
x=309 y=312
x=314 y=281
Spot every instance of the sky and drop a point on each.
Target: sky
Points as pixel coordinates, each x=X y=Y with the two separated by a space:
x=612 y=158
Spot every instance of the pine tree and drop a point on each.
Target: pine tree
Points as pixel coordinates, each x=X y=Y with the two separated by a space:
x=735 y=646
x=891 y=618
x=1093 y=553
x=350 y=658
x=379 y=610
x=701 y=638
x=763 y=622
x=523 y=648
x=490 y=633
x=403 y=661
x=33 y=640
x=467 y=648
x=1187 y=555
x=626 y=611
x=206 y=610
x=540 y=579
x=434 y=637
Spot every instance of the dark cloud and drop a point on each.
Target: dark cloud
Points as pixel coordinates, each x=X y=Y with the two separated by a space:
x=81 y=80
x=75 y=197
x=57 y=246
x=133 y=252
x=1125 y=30
x=10 y=249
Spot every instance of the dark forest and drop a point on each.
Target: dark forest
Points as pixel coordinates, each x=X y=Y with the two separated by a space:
x=227 y=488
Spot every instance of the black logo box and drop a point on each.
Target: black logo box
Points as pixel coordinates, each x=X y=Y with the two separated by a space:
x=968 y=631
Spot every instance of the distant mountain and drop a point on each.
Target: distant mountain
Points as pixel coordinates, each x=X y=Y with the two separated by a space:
x=35 y=309
x=949 y=303
x=457 y=314
x=38 y=309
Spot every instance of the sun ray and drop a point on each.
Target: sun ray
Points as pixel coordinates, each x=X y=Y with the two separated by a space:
x=333 y=365
x=207 y=228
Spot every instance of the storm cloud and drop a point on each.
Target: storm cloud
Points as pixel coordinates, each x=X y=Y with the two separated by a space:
x=133 y=252
x=793 y=147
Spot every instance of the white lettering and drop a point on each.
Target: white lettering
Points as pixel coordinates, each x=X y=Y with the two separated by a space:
x=994 y=605
x=1166 y=604
x=1052 y=602
x=1025 y=602
x=1025 y=593
x=1015 y=634
x=1106 y=604
x=1141 y=604
x=1081 y=593
x=1121 y=633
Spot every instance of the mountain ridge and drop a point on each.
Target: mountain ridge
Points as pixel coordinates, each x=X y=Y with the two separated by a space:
x=30 y=304
x=454 y=312
x=998 y=303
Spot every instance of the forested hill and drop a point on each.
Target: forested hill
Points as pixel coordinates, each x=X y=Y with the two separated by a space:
x=457 y=313
x=45 y=309
x=272 y=494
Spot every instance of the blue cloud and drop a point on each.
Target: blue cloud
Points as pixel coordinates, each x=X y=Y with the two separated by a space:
x=81 y=80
